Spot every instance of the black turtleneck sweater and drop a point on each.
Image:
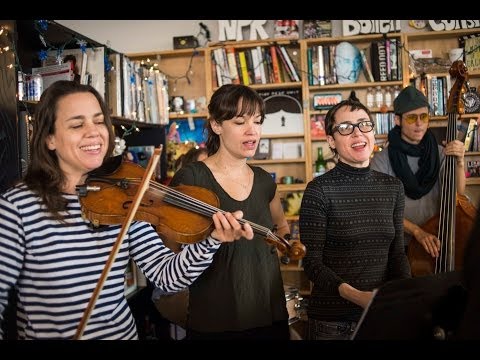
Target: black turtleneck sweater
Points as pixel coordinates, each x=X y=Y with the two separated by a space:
x=351 y=222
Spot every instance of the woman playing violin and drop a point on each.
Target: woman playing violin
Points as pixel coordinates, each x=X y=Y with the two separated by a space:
x=53 y=258
x=241 y=294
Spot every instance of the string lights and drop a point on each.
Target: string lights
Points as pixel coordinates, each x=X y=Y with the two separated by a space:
x=7 y=47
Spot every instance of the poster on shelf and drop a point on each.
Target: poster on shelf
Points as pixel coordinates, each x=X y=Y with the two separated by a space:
x=283 y=111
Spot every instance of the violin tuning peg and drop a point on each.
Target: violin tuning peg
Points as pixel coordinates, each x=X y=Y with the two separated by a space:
x=285 y=260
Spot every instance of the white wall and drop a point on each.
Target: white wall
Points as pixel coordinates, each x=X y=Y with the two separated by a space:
x=130 y=36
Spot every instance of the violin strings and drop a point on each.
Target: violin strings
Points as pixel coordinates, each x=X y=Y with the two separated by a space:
x=187 y=202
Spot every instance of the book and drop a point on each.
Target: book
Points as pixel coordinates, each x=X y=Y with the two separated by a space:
x=287 y=29
x=470 y=134
x=232 y=65
x=53 y=73
x=261 y=64
x=275 y=65
x=283 y=111
x=382 y=61
x=289 y=62
x=244 y=68
x=317 y=28
x=366 y=66
x=472 y=53
x=77 y=57
x=115 y=89
x=317 y=127
x=321 y=66
x=285 y=66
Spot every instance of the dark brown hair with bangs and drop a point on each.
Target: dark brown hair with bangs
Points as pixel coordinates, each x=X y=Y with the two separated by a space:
x=228 y=102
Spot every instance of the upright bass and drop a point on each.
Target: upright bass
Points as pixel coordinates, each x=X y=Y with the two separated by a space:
x=456 y=218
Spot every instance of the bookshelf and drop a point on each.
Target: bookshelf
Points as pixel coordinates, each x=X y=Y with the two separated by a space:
x=205 y=82
x=441 y=43
x=323 y=48
x=185 y=71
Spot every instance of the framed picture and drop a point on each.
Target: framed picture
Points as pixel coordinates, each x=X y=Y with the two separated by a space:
x=263 y=150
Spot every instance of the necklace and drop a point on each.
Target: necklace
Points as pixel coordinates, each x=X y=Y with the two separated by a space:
x=225 y=174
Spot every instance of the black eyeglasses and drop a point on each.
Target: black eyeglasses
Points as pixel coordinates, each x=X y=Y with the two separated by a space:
x=347 y=128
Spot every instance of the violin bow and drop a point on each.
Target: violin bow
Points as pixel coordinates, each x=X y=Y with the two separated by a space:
x=152 y=163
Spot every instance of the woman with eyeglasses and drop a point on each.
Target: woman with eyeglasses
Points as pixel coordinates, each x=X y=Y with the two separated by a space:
x=351 y=223
x=414 y=156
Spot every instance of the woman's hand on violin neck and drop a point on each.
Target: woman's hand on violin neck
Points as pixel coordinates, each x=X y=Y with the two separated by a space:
x=227 y=227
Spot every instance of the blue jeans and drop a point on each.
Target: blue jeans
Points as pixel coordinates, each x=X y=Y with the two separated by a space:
x=330 y=330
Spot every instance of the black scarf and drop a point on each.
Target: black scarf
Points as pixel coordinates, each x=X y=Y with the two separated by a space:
x=419 y=184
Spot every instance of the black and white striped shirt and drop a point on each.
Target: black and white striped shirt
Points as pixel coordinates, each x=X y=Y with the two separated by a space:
x=55 y=266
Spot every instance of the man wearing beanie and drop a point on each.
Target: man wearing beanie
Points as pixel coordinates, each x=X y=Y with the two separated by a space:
x=414 y=156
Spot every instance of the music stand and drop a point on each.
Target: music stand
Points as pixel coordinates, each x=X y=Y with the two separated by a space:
x=427 y=307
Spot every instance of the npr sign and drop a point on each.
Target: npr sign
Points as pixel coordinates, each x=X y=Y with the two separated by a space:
x=233 y=29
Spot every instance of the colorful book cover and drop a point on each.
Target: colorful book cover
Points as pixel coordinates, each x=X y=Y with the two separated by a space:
x=472 y=53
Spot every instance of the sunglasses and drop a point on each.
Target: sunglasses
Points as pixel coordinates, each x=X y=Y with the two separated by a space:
x=347 y=128
x=412 y=118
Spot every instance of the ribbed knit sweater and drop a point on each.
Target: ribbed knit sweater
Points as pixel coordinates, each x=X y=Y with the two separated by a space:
x=351 y=222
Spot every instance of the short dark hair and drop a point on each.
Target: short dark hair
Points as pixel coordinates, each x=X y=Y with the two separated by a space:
x=330 y=117
x=352 y=104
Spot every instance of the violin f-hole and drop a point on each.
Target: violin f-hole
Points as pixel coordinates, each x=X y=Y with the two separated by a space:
x=127 y=204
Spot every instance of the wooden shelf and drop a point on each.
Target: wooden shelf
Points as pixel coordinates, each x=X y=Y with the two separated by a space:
x=473 y=181
x=129 y=122
x=152 y=55
x=357 y=85
x=283 y=136
x=472 y=153
x=185 y=116
x=291 y=187
x=276 y=161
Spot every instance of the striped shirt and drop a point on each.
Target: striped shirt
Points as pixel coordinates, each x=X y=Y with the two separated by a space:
x=54 y=267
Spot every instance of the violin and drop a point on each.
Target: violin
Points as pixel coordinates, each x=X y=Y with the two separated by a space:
x=182 y=213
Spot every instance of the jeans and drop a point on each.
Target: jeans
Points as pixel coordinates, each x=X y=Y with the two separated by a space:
x=330 y=330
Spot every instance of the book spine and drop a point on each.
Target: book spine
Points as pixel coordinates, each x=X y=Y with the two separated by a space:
x=243 y=66
x=326 y=65
x=332 y=64
x=374 y=60
x=382 y=61
x=309 y=66
x=393 y=60
x=388 y=59
x=232 y=65
x=275 y=65
x=366 y=67
x=261 y=64
x=321 y=66
x=290 y=64
x=256 y=66
x=285 y=67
